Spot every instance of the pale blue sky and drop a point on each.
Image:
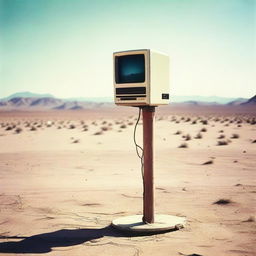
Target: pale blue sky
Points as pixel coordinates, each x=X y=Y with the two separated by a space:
x=65 y=47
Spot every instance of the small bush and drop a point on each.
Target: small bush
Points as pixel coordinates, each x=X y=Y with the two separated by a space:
x=203 y=130
x=72 y=126
x=123 y=126
x=76 y=141
x=253 y=121
x=222 y=136
x=221 y=131
x=208 y=162
x=178 y=132
x=222 y=143
x=235 y=136
x=33 y=128
x=105 y=128
x=250 y=219
x=223 y=201
x=187 y=137
x=183 y=145
x=9 y=128
x=199 y=136
x=18 y=130
x=204 y=122
x=98 y=133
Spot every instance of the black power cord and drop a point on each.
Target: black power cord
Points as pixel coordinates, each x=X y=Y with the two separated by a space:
x=138 y=147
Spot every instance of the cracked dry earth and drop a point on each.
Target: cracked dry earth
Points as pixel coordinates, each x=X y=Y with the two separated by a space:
x=59 y=198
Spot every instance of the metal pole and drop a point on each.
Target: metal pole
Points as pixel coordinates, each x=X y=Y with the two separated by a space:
x=148 y=130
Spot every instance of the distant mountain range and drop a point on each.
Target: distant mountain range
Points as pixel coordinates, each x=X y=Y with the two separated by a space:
x=33 y=101
x=28 y=95
x=21 y=101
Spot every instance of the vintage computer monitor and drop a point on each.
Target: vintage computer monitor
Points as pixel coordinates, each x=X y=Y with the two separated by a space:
x=141 y=78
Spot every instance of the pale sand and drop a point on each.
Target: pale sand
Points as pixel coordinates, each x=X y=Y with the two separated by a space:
x=58 y=197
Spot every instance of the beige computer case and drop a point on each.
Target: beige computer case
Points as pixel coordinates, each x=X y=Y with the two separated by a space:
x=156 y=81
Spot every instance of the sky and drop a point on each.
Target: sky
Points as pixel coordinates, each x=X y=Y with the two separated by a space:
x=65 y=47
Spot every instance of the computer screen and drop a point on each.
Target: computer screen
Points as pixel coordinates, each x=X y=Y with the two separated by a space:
x=130 y=69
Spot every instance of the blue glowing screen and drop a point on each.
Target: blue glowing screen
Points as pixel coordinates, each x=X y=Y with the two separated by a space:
x=130 y=69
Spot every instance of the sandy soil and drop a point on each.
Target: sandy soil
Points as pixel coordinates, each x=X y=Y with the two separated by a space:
x=61 y=185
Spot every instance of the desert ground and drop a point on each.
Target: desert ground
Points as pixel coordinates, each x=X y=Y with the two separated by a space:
x=65 y=175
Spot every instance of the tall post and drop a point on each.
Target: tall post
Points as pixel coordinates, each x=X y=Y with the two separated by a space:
x=148 y=133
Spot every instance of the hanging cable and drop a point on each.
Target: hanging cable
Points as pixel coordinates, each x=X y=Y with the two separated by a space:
x=138 y=147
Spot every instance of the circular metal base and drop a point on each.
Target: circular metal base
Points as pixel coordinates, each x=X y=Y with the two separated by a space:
x=162 y=223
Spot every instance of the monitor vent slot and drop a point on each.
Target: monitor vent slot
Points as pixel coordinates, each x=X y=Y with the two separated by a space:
x=131 y=90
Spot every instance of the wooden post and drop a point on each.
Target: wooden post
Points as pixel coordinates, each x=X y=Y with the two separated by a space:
x=148 y=131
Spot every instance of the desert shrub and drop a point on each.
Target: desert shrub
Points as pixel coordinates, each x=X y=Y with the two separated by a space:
x=253 y=121
x=223 y=201
x=72 y=126
x=208 y=162
x=105 y=128
x=203 y=130
x=183 y=145
x=130 y=123
x=194 y=122
x=178 y=132
x=104 y=122
x=123 y=126
x=235 y=136
x=33 y=128
x=222 y=142
x=221 y=131
x=254 y=141
x=222 y=136
x=250 y=219
x=98 y=133
x=199 y=136
x=187 y=137
x=59 y=127
x=18 y=130
x=76 y=141
x=9 y=128
x=188 y=119
x=204 y=122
